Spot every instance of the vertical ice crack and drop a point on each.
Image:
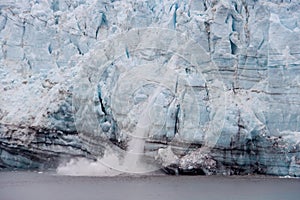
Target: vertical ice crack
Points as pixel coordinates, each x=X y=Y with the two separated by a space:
x=103 y=21
x=246 y=26
x=174 y=19
x=101 y=101
x=176 y=126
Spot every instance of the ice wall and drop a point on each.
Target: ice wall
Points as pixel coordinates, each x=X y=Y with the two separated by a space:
x=226 y=72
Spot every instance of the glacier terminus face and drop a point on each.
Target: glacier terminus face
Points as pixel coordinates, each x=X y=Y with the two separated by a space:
x=190 y=87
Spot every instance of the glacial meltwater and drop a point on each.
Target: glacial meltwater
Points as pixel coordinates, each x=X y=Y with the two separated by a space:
x=50 y=186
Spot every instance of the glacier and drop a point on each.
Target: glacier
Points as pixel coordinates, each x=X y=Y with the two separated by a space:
x=197 y=87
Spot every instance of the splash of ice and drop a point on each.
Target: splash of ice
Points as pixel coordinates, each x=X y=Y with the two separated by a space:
x=111 y=164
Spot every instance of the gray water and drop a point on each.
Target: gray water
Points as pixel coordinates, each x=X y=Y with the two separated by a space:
x=36 y=186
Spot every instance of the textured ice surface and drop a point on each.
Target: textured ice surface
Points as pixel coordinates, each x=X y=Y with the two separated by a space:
x=222 y=95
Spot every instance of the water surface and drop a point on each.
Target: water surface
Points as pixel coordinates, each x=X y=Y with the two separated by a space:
x=47 y=186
